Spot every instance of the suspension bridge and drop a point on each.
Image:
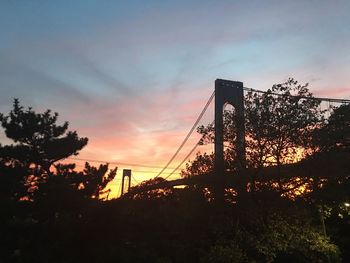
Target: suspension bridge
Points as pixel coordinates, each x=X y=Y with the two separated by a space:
x=226 y=92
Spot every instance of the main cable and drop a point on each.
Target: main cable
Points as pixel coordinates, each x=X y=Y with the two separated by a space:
x=186 y=157
x=188 y=135
x=302 y=97
x=134 y=179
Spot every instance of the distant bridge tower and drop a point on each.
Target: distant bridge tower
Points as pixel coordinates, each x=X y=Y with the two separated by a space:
x=228 y=92
x=126 y=173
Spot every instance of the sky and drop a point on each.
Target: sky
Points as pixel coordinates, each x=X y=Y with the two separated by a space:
x=133 y=76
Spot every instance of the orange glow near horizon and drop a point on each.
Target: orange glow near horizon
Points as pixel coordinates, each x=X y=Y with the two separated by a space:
x=146 y=157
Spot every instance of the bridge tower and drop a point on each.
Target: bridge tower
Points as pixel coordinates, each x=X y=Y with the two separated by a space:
x=126 y=173
x=228 y=92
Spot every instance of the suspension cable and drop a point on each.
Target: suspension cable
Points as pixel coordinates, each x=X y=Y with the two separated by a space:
x=183 y=160
x=302 y=97
x=134 y=179
x=188 y=135
x=186 y=157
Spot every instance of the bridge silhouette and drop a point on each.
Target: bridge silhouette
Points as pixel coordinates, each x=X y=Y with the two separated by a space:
x=226 y=92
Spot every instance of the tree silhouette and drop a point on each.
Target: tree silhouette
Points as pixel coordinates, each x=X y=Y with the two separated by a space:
x=39 y=142
x=94 y=180
x=330 y=162
x=335 y=133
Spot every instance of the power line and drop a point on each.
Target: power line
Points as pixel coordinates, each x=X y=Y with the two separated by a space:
x=189 y=133
x=302 y=97
x=137 y=171
x=115 y=163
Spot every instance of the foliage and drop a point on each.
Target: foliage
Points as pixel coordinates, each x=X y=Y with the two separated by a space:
x=335 y=133
x=330 y=162
x=95 y=180
x=38 y=139
x=282 y=237
x=230 y=253
x=278 y=124
x=12 y=182
x=38 y=143
x=72 y=185
x=203 y=163
x=148 y=192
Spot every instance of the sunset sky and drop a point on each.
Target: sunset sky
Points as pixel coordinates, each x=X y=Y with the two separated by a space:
x=133 y=76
